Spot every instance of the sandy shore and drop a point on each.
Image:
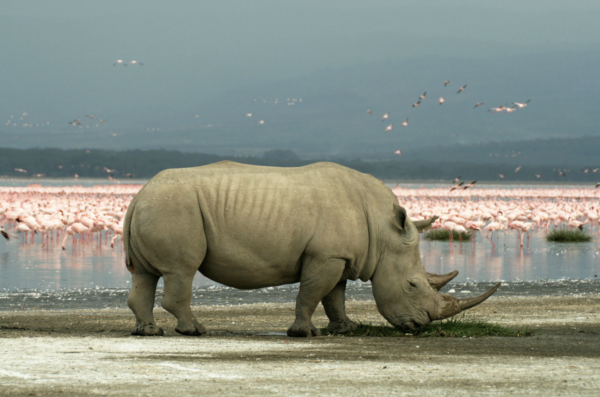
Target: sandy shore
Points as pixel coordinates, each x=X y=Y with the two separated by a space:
x=77 y=352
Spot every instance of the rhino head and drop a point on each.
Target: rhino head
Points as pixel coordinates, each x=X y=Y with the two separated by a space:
x=406 y=295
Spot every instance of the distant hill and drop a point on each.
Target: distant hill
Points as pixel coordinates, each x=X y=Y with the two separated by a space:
x=437 y=163
x=557 y=152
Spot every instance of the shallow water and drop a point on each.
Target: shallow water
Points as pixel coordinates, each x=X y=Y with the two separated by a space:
x=92 y=276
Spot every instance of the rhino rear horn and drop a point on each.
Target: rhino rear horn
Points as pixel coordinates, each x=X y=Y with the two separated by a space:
x=425 y=224
x=437 y=281
x=448 y=306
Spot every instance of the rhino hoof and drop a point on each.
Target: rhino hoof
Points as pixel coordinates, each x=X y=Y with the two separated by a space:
x=197 y=330
x=303 y=331
x=147 y=330
x=342 y=327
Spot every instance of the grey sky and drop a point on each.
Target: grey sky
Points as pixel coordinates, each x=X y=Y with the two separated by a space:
x=57 y=57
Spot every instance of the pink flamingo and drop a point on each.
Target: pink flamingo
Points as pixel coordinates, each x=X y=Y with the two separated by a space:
x=491 y=228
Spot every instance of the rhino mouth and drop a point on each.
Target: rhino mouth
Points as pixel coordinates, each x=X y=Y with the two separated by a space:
x=410 y=325
x=414 y=324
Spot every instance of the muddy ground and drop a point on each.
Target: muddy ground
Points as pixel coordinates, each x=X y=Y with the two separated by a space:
x=90 y=352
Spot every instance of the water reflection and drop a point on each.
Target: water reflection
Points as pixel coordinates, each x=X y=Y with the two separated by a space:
x=29 y=265
x=33 y=266
x=542 y=261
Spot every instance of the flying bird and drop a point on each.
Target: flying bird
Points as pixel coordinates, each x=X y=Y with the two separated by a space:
x=501 y=176
x=461 y=89
x=597 y=184
x=416 y=104
x=118 y=62
x=260 y=121
x=134 y=62
x=388 y=128
x=478 y=104
x=21 y=170
x=423 y=95
x=248 y=115
x=538 y=176
x=4 y=234
x=405 y=123
x=385 y=116
x=472 y=184
x=518 y=168
x=441 y=100
x=399 y=152
x=456 y=179
x=497 y=109
x=446 y=83
x=510 y=110
x=522 y=105
x=562 y=173
x=369 y=111
x=457 y=186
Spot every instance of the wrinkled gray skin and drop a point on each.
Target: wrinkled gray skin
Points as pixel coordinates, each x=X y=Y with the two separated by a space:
x=252 y=227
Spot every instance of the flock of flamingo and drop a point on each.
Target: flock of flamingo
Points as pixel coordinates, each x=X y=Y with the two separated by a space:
x=96 y=214
x=87 y=215
x=493 y=210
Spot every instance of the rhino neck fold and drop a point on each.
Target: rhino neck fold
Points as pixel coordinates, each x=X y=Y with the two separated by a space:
x=368 y=263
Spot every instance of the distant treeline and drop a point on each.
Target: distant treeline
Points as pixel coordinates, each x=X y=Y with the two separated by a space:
x=57 y=163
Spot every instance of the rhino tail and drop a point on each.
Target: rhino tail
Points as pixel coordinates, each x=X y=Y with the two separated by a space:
x=129 y=264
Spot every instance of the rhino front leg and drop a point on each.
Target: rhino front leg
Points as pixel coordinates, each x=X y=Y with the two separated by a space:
x=318 y=278
x=141 y=302
x=335 y=308
x=177 y=299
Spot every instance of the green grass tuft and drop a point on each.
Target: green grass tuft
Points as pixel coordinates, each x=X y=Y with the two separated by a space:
x=452 y=328
x=568 y=236
x=444 y=235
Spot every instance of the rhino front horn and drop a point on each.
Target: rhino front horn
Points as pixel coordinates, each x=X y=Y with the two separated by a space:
x=447 y=306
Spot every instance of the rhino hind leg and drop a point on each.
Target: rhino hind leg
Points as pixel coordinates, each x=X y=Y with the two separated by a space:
x=177 y=298
x=317 y=280
x=335 y=308
x=141 y=302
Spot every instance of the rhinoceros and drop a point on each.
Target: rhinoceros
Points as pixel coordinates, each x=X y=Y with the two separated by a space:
x=252 y=227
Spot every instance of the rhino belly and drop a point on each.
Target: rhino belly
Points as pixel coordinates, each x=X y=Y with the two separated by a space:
x=249 y=271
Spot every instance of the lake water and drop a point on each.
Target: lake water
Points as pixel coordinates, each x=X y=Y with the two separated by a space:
x=92 y=276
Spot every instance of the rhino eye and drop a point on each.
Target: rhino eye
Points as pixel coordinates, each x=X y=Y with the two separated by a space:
x=412 y=284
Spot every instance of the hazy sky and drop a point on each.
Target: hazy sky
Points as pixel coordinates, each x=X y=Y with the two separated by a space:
x=57 y=56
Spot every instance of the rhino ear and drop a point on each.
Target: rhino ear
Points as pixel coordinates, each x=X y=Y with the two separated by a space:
x=400 y=216
x=425 y=224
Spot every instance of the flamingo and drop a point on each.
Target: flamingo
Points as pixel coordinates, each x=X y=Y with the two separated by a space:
x=461 y=230
x=491 y=228
x=522 y=105
x=449 y=226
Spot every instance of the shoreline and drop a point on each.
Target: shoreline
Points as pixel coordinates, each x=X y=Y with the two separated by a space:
x=91 y=352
